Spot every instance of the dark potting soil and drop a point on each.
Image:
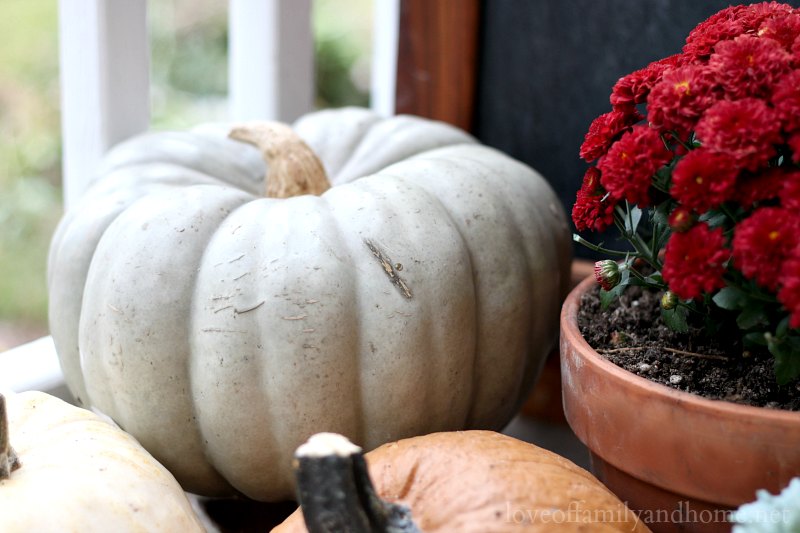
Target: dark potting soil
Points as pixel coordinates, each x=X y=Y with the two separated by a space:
x=631 y=334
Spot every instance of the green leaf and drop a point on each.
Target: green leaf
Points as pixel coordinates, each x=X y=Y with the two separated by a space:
x=787 y=358
x=755 y=338
x=751 y=316
x=675 y=319
x=714 y=219
x=663 y=175
x=636 y=282
x=660 y=215
x=607 y=297
x=664 y=172
x=656 y=278
x=783 y=327
x=633 y=219
x=730 y=298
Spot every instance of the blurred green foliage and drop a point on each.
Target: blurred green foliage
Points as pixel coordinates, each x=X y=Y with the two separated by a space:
x=341 y=39
x=29 y=154
x=189 y=84
x=334 y=89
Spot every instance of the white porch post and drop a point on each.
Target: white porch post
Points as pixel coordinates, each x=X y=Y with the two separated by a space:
x=105 y=82
x=271 y=59
x=385 y=36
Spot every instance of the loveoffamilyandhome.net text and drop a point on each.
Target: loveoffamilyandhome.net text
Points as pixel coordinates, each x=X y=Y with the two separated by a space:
x=577 y=512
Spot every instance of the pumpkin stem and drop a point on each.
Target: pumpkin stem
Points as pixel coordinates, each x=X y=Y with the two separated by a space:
x=293 y=168
x=336 y=493
x=8 y=458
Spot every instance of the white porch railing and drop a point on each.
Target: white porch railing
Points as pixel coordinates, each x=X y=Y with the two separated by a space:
x=105 y=82
x=271 y=72
x=105 y=98
x=105 y=70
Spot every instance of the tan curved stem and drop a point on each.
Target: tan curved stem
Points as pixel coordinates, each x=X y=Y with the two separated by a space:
x=8 y=459
x=294 y=169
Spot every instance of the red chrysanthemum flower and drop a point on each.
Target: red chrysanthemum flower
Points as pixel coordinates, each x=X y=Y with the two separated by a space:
x=786 y=100
x=794 y=144
x=594 y=208
x=745 y=130
x=796 y=52
x=629 y=165
x=703 y=180
x=721 y=26
x=694 y=261
x=749 y=66
x=766 y=185
x=753 y=16
x=763 y=241
x=790 y=191
x=789 y=295
x=729 y=24
x=634 y=88
x=681 y=97
x=731 y=101
x=604 y=130
x=784 y=29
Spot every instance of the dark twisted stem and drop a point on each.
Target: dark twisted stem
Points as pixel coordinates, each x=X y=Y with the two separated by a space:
x=336 y=494
x=8 y=458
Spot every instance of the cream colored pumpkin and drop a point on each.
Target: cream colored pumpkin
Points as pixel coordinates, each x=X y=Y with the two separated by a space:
x=419 y=293
x=78 y=472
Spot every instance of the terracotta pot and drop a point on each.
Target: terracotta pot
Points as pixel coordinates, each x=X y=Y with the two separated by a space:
x=544 y=403
x=676 y=457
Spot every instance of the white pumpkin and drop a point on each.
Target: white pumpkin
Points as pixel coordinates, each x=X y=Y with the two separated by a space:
x=420 y=293
x=78 y=472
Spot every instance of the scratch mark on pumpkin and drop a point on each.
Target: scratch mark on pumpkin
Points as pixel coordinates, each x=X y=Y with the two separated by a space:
x=309 y=330
x=237 y=278
x=410 y=480
x=268 y=264
x=115 y=309
x=298 y=317
x=248 y=309
x=389 y=269
x=222 y=309
x=236 y=259
x=221 y=330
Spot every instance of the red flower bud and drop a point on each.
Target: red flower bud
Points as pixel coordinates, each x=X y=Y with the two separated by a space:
x=607 y=274
x=681 y=219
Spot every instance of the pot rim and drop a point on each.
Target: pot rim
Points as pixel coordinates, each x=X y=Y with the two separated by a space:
x=569 y=323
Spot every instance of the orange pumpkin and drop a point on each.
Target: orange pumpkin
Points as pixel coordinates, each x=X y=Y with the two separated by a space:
x=470 y=481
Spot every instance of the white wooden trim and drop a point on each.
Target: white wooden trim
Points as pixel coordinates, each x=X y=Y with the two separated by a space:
x=32 y=366
x=105 y=82
x=385 y=37
x=271 y=59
